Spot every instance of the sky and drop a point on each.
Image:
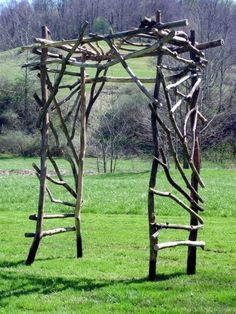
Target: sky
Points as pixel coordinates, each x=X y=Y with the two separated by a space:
x=4 y=1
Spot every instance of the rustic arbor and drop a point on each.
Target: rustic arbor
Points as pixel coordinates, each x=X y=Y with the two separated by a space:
x=176 y=53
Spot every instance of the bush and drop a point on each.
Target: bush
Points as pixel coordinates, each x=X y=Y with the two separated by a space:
x=19 y=143
x=101 y=25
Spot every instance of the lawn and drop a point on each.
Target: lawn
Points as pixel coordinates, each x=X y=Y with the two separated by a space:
x=112 y=275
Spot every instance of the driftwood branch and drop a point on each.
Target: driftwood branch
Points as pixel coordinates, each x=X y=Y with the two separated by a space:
x=53 y=200
x=54 y=89
x=178 y=201
x=63 y=124
x=56 y=182
x=173 y=183
x=177 y=227
x=177 y=130
x=133 y=76
x=96 y=38
x=93 y=97
x=52 y=216
x=57 y=231
x=167 y=245
x=174 y=154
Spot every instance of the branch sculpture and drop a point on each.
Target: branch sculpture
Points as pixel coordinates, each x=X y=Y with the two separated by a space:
x=72 y=58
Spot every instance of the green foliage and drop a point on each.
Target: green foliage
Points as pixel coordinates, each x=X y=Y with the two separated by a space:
x=18 y=114
x=19 y=143
x=17 y=107
x=101 y=25
x=222 y=153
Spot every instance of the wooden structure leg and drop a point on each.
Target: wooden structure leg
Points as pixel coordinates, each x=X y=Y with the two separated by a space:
x=81 y=165
x=192 y=251
x=153 y=174
x=43 y=156
x=152 y=182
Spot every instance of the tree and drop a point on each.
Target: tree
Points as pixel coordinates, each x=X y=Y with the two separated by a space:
x=101 y=25
x=121 y=128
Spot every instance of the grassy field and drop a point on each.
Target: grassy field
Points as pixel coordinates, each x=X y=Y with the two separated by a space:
x=12 y=60
x=112 y=275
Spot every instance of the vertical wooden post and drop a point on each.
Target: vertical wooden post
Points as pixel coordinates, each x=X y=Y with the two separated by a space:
x=192 y=251
x=152 y=181
x=43 y=156
x=81 y=163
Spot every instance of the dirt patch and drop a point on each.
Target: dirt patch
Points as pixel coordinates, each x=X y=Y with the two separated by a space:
x=26 y=172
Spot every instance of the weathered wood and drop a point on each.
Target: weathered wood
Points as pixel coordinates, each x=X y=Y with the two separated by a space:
x=163 y=42
x=30 y=234
x=63 y=124
x=177 y=130
x=178 y=201
x=53 y=200
x=67 y=98
x=174 y=154
x=203 y=46
x=77 y=105
x=51 y=232
x=81 y=165
x=173 y=183
x=57 y=231
x=178 y=227
x=54 y=89
x=69 y=73
x=53 y=216
x=154 y=169
x=167 y=245
x=56 y=182
x=175 y=56
x=195 y=86
x=177 y=105
x=201 y=117
x=73 y=168
x=176 y=84
x=139 y=53
x=192 y=253
x=63 y=62
x=111 y=79
x=43 y=156
x=210 y=44
x=92 y=97
x=95 y=38
x=133 y=76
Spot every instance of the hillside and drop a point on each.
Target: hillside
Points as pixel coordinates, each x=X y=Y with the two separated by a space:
x=10 y=64
x=12 y=60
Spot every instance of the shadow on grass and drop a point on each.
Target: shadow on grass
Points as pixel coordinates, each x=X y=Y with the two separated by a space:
x=22 y=284
x=2 y=157
x=6 y=264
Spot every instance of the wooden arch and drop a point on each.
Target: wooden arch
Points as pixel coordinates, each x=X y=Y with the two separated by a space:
x=179 y=59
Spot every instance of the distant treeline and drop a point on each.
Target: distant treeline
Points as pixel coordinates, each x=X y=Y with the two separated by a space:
x=20 y=21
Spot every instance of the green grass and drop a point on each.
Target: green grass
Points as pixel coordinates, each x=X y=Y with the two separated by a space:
x=112 y=275
x=10 y=64
x=12 y=60
x=125 y=191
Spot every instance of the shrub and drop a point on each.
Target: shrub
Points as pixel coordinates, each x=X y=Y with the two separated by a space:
x=101 y=25
x=19 y=143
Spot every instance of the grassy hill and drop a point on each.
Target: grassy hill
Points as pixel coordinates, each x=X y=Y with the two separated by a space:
x=10 y=64
x=12 y=60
